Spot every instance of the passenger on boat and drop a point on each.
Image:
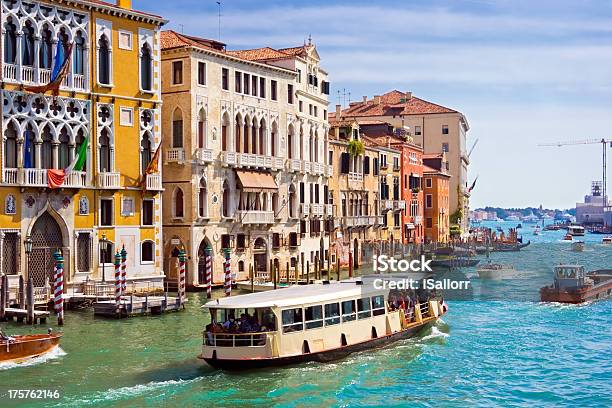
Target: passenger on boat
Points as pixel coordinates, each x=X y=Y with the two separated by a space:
x=230 y=325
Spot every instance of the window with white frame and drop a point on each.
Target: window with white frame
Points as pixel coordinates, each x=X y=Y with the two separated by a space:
x=147 y=252
x=126 y=116
x=125 y=40
x=148 y=212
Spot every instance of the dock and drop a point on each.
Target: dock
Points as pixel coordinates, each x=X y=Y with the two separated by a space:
x=138 y=306
x=20 y=315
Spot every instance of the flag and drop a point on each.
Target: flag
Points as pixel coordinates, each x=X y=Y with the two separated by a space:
x=56 y=177
x=27 y=150
x=61 y=65
x=152 y=167
x=473 y=185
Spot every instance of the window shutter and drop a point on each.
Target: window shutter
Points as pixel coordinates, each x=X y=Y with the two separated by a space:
x=366 y=165
x=344 y=163
x=301 y=193
x=375 y=170
x=325 y=194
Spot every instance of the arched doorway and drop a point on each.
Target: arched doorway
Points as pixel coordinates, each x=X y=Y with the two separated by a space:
x=47 y=238
x=171 y=257
x=260 y=255
x=202 y=261
x=355 y=253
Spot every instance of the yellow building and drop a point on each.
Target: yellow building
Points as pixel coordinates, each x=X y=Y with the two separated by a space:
x=110 y=97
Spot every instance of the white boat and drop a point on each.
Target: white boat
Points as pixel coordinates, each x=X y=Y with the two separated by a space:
x=318 y=322
x=607 y=240
x=575 y=230
x=495 y=271
x=512 y=218
x=578 y=246
x=537 y=230
x=259 y=286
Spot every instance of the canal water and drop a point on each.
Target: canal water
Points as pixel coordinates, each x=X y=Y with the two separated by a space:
x=499 y=347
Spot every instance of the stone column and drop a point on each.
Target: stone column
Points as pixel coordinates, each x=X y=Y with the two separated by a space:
x=36 y=59
x=18 y=56
x=37 y=154
x=55 y=145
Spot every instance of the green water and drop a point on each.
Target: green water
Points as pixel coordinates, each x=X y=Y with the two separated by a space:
x=487 y=351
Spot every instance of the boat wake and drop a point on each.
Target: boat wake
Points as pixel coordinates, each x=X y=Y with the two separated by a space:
x=53 y=354
x=435 y=333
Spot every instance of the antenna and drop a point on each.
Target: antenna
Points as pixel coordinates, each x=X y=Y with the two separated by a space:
x=219 y=4
x=182 y=28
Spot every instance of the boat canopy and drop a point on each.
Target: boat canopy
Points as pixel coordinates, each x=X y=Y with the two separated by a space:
x=297 y=295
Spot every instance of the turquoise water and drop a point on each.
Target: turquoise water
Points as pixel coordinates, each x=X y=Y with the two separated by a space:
x=502 y=348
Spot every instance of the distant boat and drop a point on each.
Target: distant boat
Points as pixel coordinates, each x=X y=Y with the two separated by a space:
x=575 y=230
x=573 y=285
x=568 y=237
x=607 y=240
x=260 y=286
x=537 y=230
x=512 y=218
x=578 y=246
x=495 y=271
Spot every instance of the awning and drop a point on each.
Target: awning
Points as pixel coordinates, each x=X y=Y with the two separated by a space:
x=415 y=175
x=255 y=182
x=409 y=226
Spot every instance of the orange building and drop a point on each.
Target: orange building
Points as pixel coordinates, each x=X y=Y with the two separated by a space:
x=436 y=190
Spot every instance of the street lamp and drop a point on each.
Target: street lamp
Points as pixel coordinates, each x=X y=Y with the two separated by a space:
x=28 y=249
x=103 y=243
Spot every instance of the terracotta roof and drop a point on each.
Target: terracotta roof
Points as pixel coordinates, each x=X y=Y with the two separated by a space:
x=395 y=103
x=172 y=39
x=259 y=54
x=295 y=51
x=433 y=155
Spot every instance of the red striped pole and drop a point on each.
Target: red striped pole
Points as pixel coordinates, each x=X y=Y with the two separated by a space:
x=181 y=285
x=59 y=288
x=228 y=274
x=208 y=252
x=123 y=271
x=118 y=283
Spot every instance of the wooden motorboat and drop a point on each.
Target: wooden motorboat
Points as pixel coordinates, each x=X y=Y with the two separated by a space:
x=495 y=271
x=568 y=237
x=573 y=285
x=260 y=286
x=19 y=348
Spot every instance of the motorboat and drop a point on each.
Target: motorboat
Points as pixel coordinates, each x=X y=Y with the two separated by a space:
x=575 y=230
x=607 y=240
x=573 y=285
x=492 y=270
x=260 y=286
x=537 y=230
x=578 y=246
x=568 y=237
x=21 y=348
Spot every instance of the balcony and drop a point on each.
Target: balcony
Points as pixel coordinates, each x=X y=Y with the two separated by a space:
x=154 y=182
x=295 y=165
x=355 y=177
x=386 y=205
x=418 y=220
x=317 y=168
x=109 y=180
x=75 y=179
x=329 y=170
x=38 y=178
x=306 y=166
x=175 y=155
x=9 y=72
x=34 y=177
x=204 y=155
x=40 y=76
x=252 y=160
x=329 y=209
x=399 y=205
x=255 y=217
x=9 y=176
x=304 y=210
x=357 y=221
x=317 y=209
x=379 y=220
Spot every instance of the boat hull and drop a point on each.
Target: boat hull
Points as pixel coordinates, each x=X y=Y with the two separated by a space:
x=597 y=292
x=323 y=356
x=26 y=347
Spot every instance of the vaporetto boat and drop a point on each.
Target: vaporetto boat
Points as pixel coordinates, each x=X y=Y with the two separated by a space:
x=318 y=322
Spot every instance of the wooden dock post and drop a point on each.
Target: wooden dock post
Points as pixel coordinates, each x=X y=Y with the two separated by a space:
x=21 y=292
x=297 y=277
x=252 y=278
x=3 y=297
x=30 y=301
x=307 y=272
x=118 y=284
x=181 y=285
x=350 y=260
x=317 y=269
x=274 y=273
x=337 y=266
x=328 y=264
x=287 y=277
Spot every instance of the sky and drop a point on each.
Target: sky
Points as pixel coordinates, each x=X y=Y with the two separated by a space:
x=523 y=73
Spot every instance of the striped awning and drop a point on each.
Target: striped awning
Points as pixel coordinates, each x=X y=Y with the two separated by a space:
x=255 y=181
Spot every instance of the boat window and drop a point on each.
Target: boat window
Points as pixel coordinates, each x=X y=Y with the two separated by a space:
x=332 y=314
x=348 y=311
x=292 y=320
x=378 y=305
x=313 y=316
x=241 y=320
x=363 y=308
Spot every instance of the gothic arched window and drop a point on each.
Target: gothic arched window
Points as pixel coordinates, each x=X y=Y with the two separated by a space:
x=10 y=42
x=146 y=68
x=104 y=61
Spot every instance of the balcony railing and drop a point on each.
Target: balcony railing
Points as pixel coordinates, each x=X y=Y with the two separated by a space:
x=386 y=205
x=252 y=160
x=204 y=155
x=306 y=166
x=35 y=177
x=317 y=168
x=255 y=217
x=295 y=165
x=418 y=220
x=27 y=74
x=317 y=209
x=229 y=158
x=355 y=177
x=40 y=76
x=329 y=209
x=9 y=176
x=304 y=210
x=399 y=205
x=110 y=180
x=329 y=170
x=9 y=71
x=357 y=221
x=79 y=81
x=75 y=179
x=44 y=75
x=154 y=182
x=175 y=155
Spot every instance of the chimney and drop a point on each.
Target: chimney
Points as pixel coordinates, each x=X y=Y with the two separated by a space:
x=365 y=99
x=125 y=4
x=408 y=96
x=376 y=99
x=338 y=111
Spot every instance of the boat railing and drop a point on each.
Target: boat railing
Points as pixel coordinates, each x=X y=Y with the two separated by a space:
x=235 y=339
x=424 y=308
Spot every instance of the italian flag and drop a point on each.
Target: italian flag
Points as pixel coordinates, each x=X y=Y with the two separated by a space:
x=56 y=177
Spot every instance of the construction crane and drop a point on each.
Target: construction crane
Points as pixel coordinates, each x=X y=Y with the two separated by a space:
x=604 y=142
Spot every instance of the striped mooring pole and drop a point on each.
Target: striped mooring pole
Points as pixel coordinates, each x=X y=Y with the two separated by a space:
x=227 y=285
x=59 y=288
x=118 y=283
x=123 y=271
x=181 y=285
x=208 y=252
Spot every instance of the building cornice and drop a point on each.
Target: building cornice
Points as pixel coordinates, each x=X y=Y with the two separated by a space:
x=115 y=11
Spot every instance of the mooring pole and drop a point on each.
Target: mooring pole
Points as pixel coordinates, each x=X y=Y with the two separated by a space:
x=3 y=282
x=181 y=285
x=208 y=252
x=59 y=288
x=337 y=266
x=30 y=301
x=228 y=274
x=21 y=292
x=350 y=266
x=118 y=284
x=123 y=271
x=287 y=277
